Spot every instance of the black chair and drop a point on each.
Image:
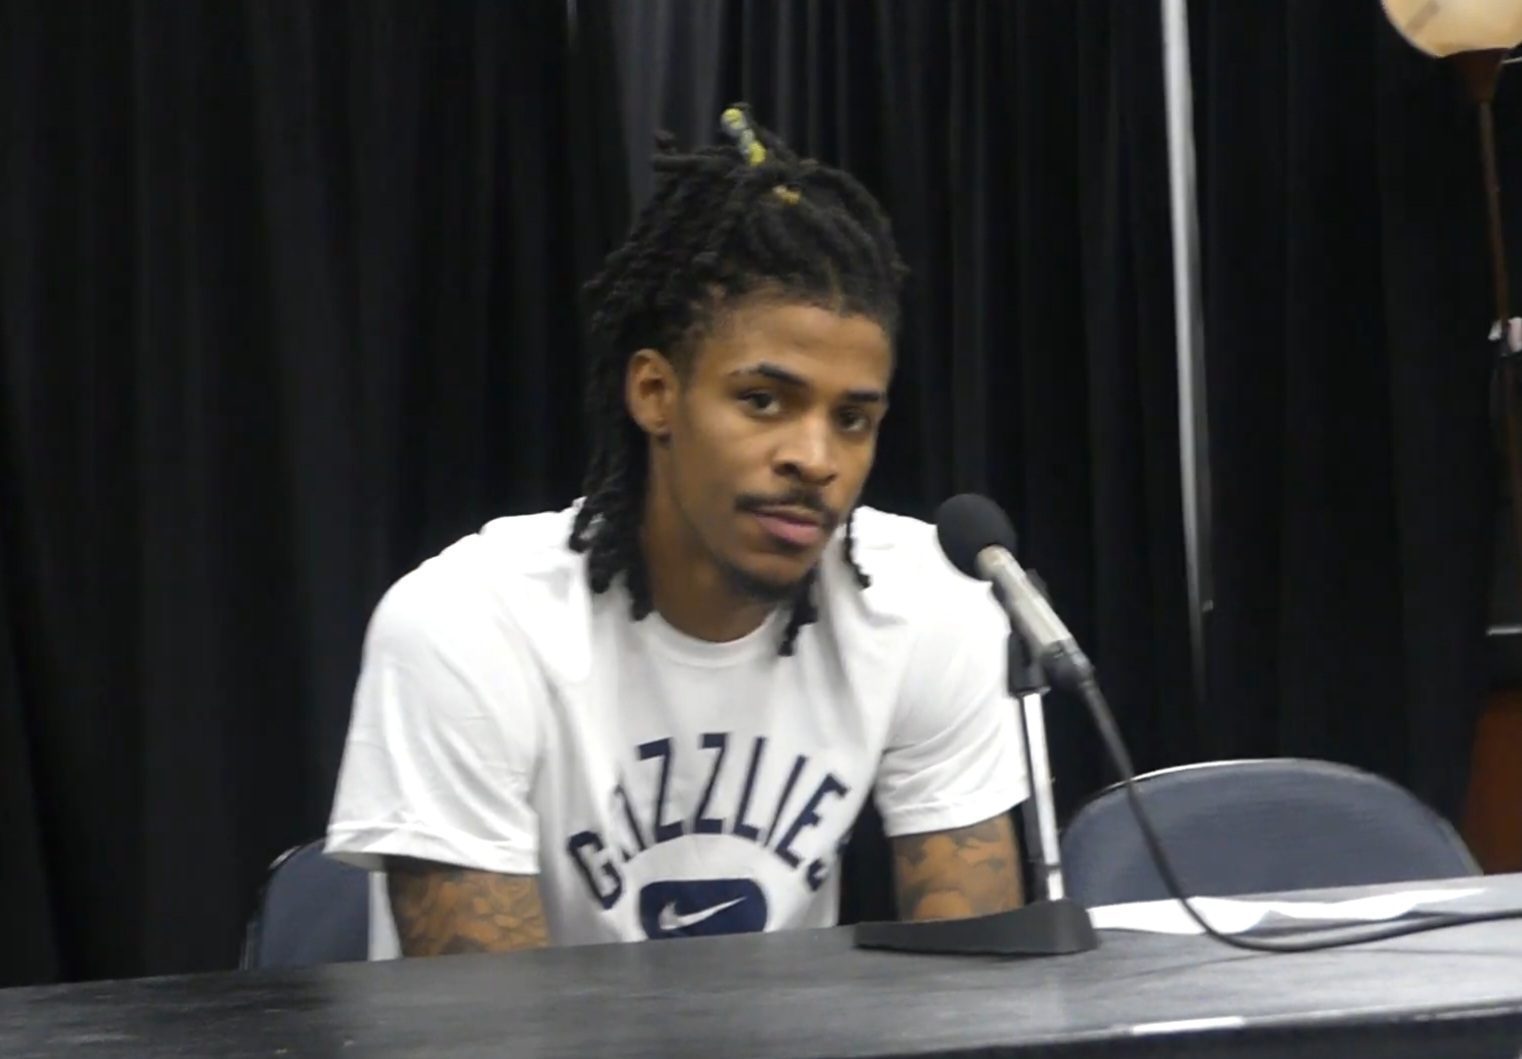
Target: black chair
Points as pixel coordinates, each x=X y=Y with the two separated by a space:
x=312 y=910
x=1240 y=827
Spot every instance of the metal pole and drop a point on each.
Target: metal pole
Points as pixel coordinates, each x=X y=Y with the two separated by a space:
x=1481 y=71
x=1189 y=327
x=1040 y=808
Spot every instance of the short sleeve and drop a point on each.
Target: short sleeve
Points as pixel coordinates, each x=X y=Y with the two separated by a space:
x=443 y=740
x=955 y=754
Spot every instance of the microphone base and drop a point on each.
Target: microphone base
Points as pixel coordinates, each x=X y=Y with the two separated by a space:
x=1042 y=928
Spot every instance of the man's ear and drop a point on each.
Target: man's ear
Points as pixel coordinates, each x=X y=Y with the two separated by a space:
x=650 y=392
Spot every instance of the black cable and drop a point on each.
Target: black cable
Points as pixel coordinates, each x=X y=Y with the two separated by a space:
x=1094 y=699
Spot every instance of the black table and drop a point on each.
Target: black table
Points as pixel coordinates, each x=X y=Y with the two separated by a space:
x=1448 y=994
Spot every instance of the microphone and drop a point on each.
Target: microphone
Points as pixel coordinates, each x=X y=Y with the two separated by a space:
x=977 y=537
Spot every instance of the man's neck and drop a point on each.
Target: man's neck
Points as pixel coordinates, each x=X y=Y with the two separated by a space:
x=689 y=591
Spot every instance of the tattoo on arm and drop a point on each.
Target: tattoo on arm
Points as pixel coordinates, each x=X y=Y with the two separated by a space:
x=441 y=910
x=971 y=871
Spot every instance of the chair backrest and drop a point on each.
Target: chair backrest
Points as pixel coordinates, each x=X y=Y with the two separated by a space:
x=1239 y=827
x=312 y=910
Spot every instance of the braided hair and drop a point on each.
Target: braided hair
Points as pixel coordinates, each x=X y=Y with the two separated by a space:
x=749 y=217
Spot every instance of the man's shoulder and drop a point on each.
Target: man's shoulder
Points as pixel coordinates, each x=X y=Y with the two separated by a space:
x=515 y=579
x=885 y=530
x=919 y=613
x=503 y=552
x=902 y=555
x=526 y=544
x=913 y=581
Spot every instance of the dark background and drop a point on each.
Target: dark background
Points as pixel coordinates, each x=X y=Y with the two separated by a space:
x=288 y=302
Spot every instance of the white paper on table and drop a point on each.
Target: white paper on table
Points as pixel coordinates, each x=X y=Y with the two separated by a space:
x=1231 y=915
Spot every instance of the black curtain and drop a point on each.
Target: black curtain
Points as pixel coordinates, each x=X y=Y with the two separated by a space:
x=1348 y=309
x=288 y=296
x=1020 y=149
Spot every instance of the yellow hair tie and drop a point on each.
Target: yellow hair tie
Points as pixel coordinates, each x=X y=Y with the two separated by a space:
x=735 y=123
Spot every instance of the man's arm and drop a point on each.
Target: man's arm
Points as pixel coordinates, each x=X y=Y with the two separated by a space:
x=442 y=910
x=969 y=871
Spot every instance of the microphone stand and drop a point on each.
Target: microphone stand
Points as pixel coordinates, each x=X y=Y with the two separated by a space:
x=1050 y=925
x=1027 y=685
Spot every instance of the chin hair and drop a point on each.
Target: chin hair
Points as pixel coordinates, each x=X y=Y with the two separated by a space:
x=764 y=590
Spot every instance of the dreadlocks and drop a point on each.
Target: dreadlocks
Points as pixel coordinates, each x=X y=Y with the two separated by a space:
x=724 y=222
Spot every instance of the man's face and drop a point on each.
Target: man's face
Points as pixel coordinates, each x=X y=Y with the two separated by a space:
x=769 y=437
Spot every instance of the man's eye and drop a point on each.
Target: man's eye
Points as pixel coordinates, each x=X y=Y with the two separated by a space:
x=854 y=420
x=760 y=401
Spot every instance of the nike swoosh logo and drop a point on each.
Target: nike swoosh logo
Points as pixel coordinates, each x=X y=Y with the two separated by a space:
x=669 y=921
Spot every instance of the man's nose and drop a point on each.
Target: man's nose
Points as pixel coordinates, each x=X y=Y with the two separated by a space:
x=808 y=453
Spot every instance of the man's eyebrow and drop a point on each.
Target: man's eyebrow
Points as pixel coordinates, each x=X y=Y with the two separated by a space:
x=788 y=378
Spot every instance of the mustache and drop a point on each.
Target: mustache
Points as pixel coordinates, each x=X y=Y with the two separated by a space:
x=804 y=498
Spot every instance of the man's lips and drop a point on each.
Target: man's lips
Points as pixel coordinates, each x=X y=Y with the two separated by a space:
x=792 y=526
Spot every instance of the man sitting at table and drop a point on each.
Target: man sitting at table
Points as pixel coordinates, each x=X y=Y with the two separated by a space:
x=659 y=712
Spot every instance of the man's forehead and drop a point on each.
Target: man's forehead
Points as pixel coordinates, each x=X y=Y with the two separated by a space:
x=805 y=340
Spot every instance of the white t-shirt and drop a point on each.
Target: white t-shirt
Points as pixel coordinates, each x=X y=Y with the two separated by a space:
x=508 y=720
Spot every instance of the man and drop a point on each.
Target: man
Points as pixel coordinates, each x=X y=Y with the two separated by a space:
x=659 y=713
